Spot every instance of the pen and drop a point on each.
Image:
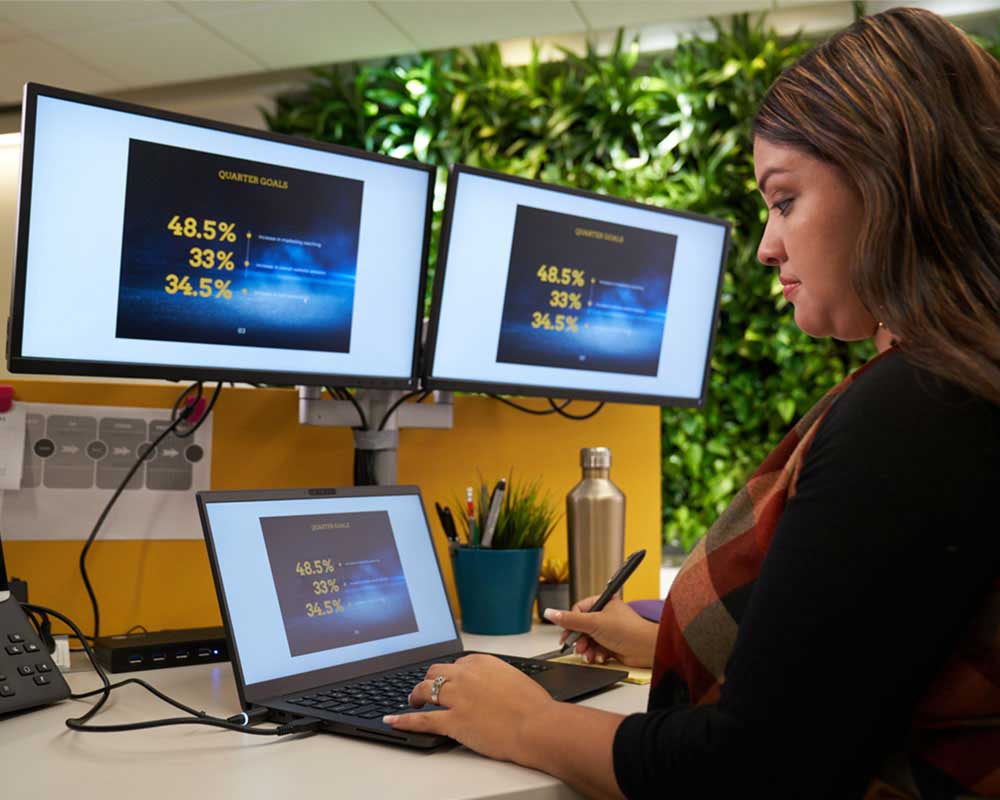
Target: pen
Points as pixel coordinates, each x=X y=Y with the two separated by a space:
x=450 y=521
x=470 y=511
x=614 y=584
x=448 y=525
x=496 y=502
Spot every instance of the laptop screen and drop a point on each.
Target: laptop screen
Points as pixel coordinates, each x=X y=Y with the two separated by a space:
x=313 y=583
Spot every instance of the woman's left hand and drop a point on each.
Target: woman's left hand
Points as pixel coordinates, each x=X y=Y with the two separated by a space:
x=487 y=702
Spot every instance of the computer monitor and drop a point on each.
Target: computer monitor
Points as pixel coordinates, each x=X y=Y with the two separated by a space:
x=157 y=245
x=550 y=291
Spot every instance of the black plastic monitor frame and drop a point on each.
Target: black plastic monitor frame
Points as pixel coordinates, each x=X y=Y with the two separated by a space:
x=529 y=390
x=18 y=363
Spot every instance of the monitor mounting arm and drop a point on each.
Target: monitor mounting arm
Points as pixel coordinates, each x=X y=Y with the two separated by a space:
x=315 y=410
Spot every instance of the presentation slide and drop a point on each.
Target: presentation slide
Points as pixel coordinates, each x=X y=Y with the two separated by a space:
x=577 y=286
x=230 y=251
x=338 y=578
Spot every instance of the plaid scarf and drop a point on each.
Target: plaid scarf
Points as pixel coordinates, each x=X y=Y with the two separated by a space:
x=956 y=725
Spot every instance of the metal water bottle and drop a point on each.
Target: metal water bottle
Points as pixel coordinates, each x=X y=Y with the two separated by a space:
x=595 y=515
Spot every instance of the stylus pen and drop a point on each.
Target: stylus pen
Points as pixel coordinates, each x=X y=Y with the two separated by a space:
x=614 y=584
x=496 y=501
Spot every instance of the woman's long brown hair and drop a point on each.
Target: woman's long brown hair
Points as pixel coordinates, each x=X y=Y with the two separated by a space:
x=908 y=107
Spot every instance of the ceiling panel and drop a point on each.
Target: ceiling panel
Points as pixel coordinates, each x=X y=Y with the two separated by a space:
x=34 y=60
x=162 y=52
x=100 y=45
x=11 y=31
x=60 y=16
x=601 y=14
x=294 y=34
x=436 y=23
x=945 y=7
x=817 y=20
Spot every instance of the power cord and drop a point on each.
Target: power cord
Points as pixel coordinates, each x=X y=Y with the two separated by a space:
x=364 y=468
x=555 y=408
x=177 y=416
x=208 y=409
x=338 y=393
x=537 y=411
x=559 y=410
x=300 y=725
x=364 y=460
x=398 y=403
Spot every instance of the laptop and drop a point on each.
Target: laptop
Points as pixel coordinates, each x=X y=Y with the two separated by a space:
x=334 y=607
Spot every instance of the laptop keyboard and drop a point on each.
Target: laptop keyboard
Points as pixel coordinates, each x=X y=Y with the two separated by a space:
x=373 y=698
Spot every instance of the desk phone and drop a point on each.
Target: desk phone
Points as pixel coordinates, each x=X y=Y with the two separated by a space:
x=28 y=678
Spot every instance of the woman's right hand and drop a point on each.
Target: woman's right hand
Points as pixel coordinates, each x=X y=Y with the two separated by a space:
x=616 y=631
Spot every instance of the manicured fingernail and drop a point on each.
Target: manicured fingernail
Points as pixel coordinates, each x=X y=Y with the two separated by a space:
x=589 y=658
x=600 y=658
x=552 y=615
x=390 y=720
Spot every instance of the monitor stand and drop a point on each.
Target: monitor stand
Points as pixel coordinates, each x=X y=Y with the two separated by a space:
x=314 y=409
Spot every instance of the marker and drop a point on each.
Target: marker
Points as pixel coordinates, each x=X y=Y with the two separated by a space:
x=444 y=515
x=470 y=511
x=496 y=502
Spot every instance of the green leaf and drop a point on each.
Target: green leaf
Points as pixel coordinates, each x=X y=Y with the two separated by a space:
x=421 y=141
x=786 y=408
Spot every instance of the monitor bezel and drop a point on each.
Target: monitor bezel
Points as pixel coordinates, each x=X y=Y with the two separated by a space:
x=428 y=379
x=20 y=364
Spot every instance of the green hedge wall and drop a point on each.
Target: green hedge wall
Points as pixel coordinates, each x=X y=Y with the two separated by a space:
x=671 y=131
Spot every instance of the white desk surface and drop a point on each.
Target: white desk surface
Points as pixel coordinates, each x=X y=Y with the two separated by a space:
x=41 y=758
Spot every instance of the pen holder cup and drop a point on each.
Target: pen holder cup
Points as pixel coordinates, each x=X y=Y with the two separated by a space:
x=496 y=588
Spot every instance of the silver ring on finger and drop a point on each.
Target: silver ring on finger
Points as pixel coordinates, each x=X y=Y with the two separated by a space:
x=436 y=685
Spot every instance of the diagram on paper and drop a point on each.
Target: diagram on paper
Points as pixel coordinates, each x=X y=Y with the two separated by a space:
x=76 y=456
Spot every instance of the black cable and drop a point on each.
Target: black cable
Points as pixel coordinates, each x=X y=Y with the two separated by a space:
x=43 y=627
x=177 y=416
x=4 y=585
x=346 y=395
x=364 y=460
x=301 y=725
x=577 y=417
x=397 y=404
x=208 y=410
x=138 y=681
x=539 y=411
x=194 y=387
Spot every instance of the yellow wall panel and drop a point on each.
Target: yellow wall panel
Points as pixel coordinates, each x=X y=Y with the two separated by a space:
x=257 y=442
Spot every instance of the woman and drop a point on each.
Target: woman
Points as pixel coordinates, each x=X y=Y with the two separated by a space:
x=837 y=632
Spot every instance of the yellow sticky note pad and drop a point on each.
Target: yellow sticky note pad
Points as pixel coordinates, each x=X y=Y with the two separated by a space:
x=638 y=675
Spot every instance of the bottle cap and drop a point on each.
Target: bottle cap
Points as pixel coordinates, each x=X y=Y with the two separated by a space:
x=595 y=458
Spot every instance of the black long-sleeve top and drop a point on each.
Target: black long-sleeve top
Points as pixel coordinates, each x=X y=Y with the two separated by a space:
x=878 y=561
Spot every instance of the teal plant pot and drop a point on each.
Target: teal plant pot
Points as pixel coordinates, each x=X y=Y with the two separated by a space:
x=496 y=588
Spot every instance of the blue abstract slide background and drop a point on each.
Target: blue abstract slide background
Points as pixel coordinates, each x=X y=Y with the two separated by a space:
x=294 y=253
x=605 y=310
x=355 y=550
